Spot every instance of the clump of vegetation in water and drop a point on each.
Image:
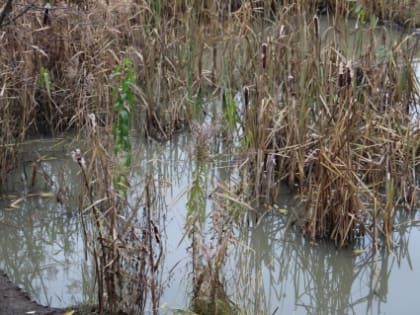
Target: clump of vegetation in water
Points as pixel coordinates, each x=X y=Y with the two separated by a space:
x=402 y=12
x=331 y=119
x=123 y=237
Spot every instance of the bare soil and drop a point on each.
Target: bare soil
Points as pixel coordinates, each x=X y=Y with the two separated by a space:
x=14 y=301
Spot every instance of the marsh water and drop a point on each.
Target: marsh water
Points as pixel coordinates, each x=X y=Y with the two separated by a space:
x=269 y=269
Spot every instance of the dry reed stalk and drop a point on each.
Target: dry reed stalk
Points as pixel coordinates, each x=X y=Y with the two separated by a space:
x=78 y=50
x=331 y=120
x=125 y=241
x=401 y=12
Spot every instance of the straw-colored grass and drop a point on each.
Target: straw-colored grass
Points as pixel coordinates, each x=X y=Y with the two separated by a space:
x=330 y=110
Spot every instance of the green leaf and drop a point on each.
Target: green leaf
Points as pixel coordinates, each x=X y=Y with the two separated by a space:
x=46 y=80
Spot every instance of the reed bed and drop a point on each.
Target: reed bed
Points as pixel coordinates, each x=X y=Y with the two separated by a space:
x=323 y=108
x=331 y=119
x=402 y=12
x=121 y=229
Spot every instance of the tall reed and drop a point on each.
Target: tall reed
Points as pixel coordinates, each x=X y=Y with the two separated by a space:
x=333 y=117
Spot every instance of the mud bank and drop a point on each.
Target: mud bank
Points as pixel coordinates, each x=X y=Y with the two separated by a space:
x=13 y=300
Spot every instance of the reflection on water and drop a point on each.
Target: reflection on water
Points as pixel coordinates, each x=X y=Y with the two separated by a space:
x=270 y=268
x=283 y=273
x=41 y=248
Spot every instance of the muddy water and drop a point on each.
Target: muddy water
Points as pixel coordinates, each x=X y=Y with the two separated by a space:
x=269 y=268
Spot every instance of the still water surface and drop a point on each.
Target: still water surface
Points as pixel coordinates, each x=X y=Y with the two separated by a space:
x=269 y=269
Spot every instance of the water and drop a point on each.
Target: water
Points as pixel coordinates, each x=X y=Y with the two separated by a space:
x=294 y=277
x=41 y=245
x=269 y=269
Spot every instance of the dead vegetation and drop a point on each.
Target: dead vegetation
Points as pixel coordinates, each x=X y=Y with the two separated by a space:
x=324 y=108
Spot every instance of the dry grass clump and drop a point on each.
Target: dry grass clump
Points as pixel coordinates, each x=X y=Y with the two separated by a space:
x=329 y=115
x=405 y=12
x=7 y=142
x=57 y=63
x=38 y=52
x=121 y=231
